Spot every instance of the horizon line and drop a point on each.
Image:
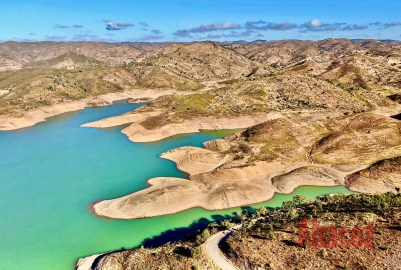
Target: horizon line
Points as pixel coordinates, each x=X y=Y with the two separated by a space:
x=198 y=41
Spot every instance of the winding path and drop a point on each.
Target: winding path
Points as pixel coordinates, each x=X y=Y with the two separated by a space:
x=211 y=246
x=212 y=249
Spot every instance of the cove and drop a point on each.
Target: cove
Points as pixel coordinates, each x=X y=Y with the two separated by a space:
x=50 y=173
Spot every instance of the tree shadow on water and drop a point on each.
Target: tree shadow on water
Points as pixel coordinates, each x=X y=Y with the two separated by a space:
x=182 y=233
x=248 y=209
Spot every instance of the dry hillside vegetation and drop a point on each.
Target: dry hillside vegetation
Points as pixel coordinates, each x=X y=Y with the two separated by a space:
x=272 y=243
x=332 y=74
x=268 y=238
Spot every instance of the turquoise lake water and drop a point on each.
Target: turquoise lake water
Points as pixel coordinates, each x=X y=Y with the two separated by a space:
x=50 y=173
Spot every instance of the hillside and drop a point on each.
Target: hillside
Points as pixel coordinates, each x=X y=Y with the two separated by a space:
x=355 y=65
x=268 y=238
x=204 y=61
x=24 y=54
x=254 y=246
x=275 y=156
x=339 y=75
x=353 y=77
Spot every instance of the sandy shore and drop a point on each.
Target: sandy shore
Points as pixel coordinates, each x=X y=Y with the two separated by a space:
x=137 y=133
x=33 y=117
x=121 y=119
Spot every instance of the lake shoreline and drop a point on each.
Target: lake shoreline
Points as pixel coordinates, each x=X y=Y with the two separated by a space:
x=138 y=133
x=30 y=118
x=170 y=195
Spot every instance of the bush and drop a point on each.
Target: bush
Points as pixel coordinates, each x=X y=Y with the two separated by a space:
x=226 y=223
x=262 y=211
x=244 y=148
x=195 y=252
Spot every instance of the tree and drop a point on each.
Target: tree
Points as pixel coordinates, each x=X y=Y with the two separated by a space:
x=205 y=234
x=300 y=199
x=195 y=252
x=262 y=211
x=293 y=213
x=226 y=223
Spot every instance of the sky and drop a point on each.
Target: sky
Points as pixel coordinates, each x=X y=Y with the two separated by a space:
x=191 y=20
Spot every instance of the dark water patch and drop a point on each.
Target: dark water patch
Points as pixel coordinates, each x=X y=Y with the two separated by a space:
x=182 y=233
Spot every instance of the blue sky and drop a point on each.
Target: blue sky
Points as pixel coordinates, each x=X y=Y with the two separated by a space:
x=178 y=20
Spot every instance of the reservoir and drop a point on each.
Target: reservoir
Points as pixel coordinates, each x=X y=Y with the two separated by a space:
x=50 y=173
